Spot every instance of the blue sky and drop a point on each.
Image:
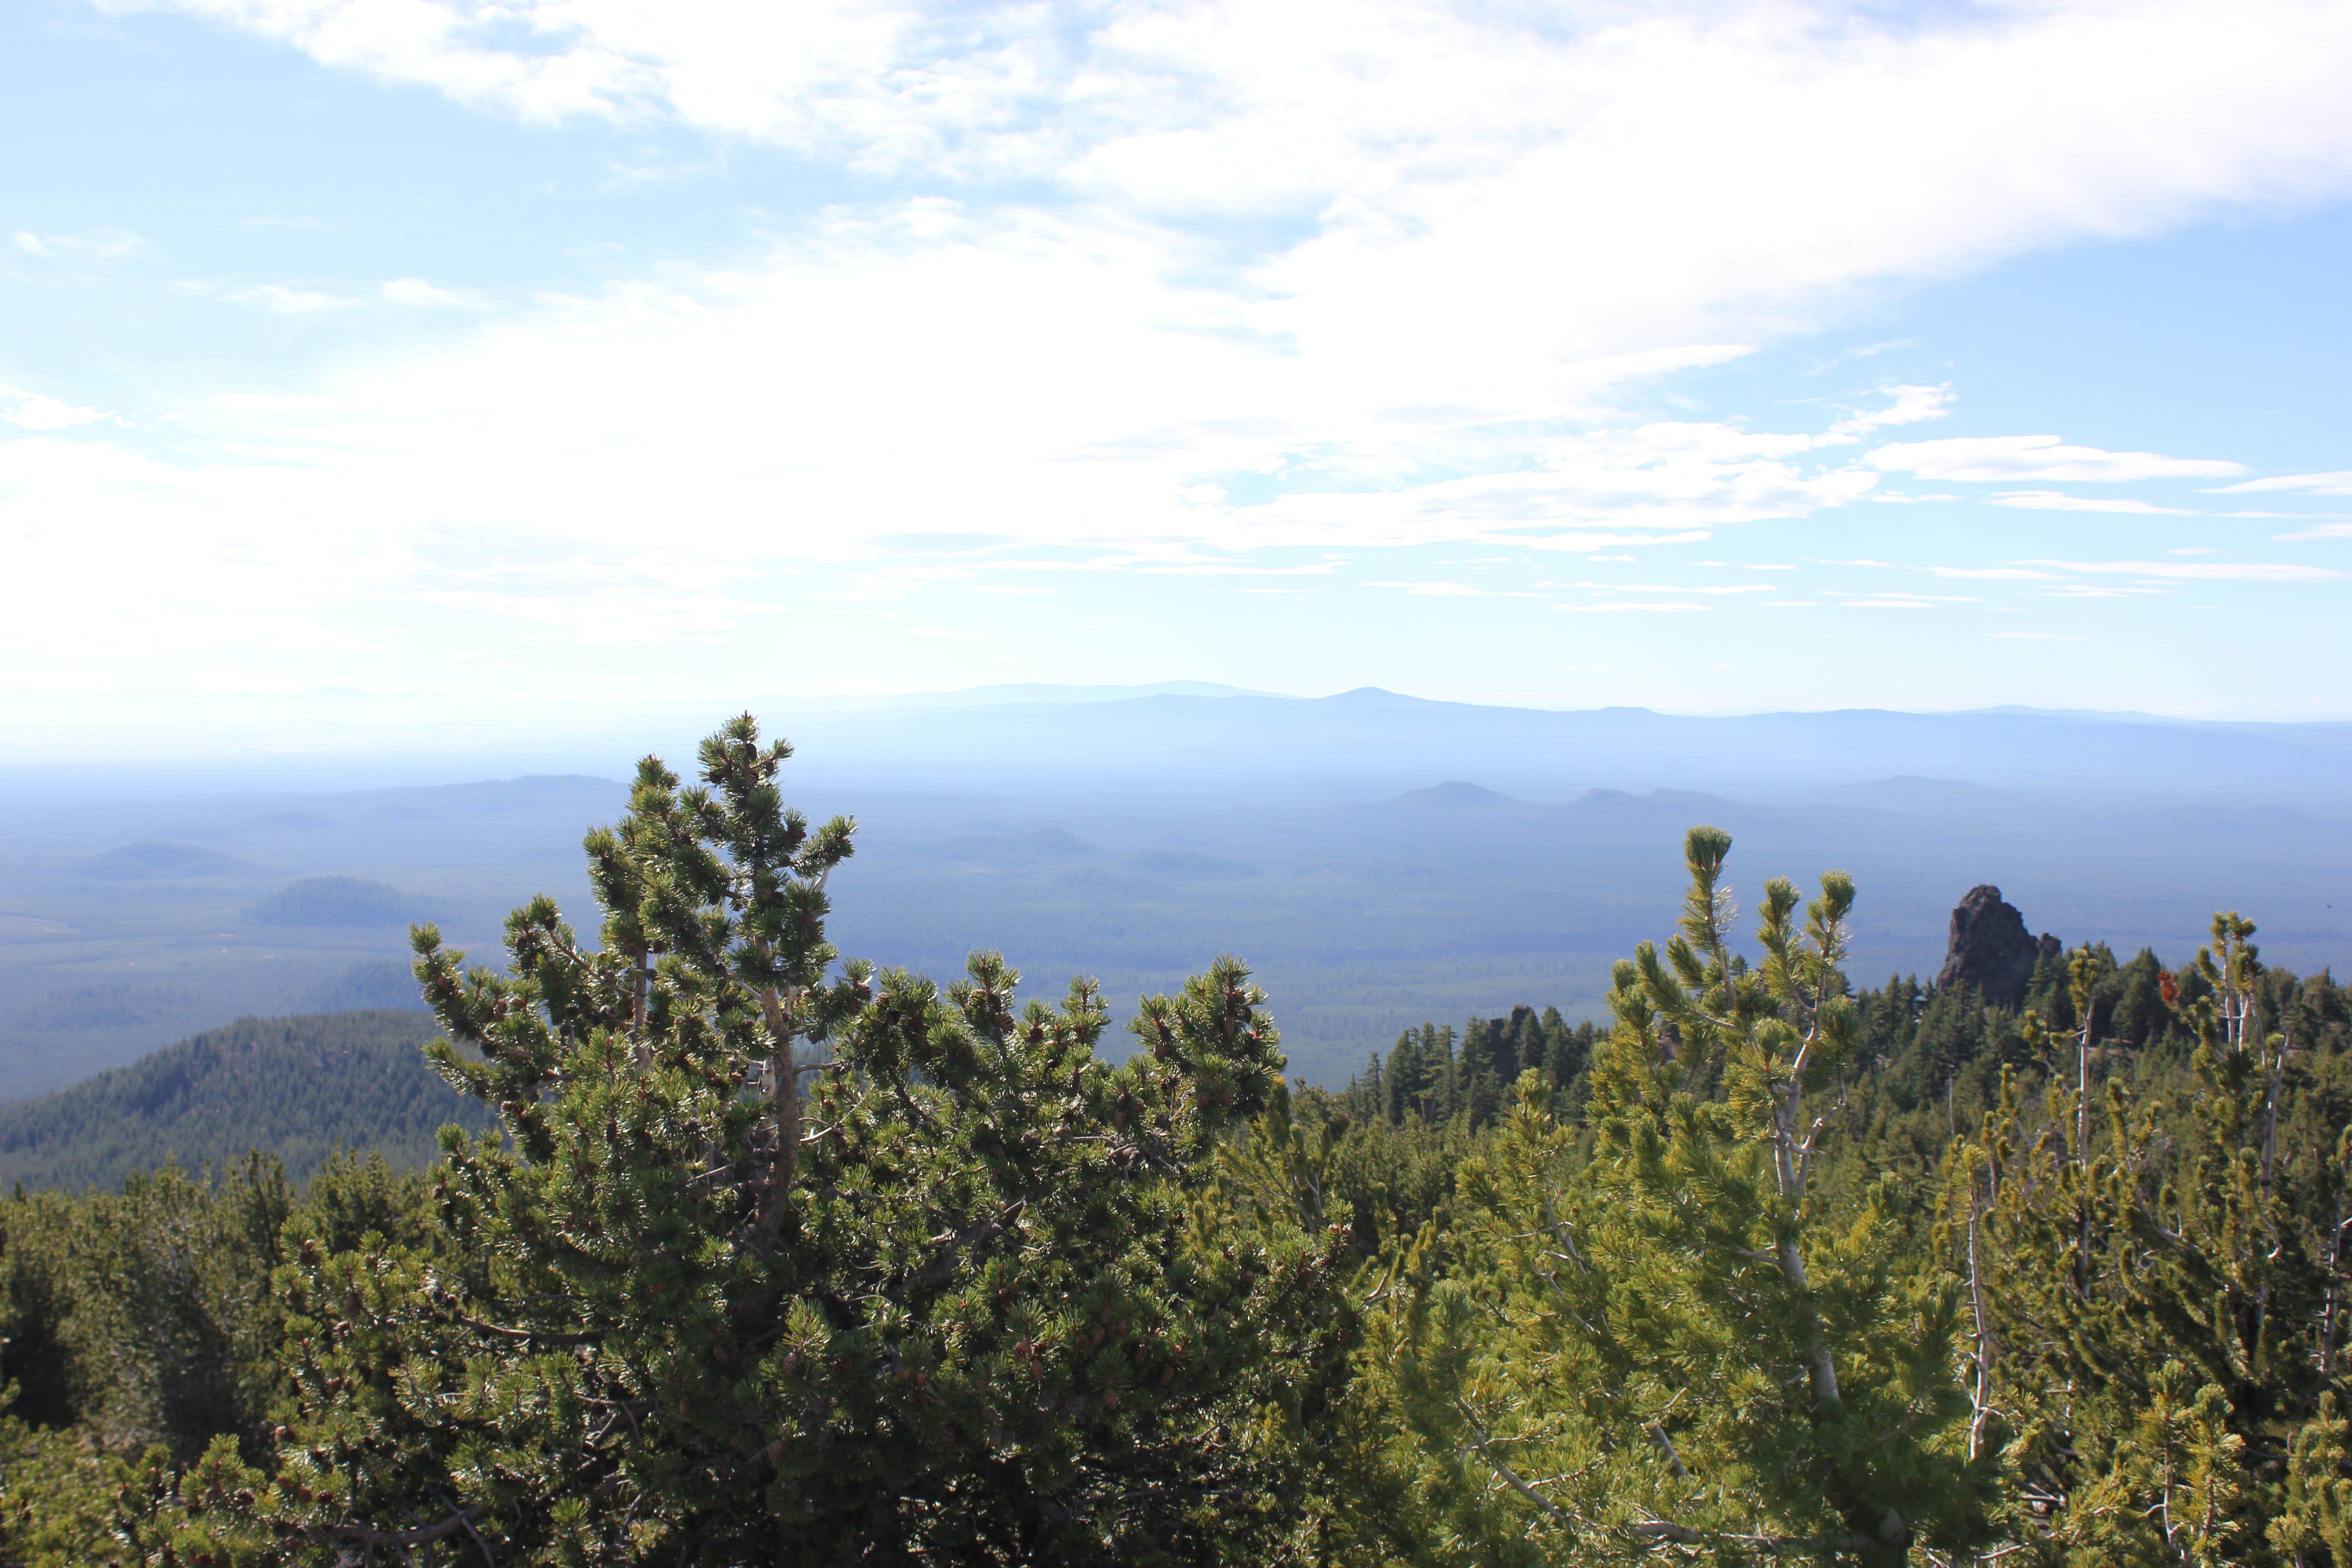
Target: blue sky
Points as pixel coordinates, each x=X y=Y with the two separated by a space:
x=515 y=362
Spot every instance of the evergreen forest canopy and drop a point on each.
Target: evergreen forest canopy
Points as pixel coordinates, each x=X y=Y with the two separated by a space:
x=774 y=1257
x=299 y=1088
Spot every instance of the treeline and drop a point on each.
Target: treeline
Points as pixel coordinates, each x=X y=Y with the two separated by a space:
x=778 y=1259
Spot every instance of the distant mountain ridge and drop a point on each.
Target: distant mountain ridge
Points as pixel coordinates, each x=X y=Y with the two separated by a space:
x=1368 y=737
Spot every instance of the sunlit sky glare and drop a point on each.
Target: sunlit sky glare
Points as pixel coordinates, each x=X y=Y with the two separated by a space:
x=527 y=356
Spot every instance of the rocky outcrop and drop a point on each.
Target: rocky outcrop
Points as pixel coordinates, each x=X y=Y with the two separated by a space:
x=1991 y=949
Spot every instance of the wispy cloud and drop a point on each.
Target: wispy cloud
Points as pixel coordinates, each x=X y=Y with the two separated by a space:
x=283 y=298
x=1630 y=606
x=1909 y=406
x=1879 y=594
x=1895 y=599
x=2203 y=571
x=1996 y=459
x=892 y=583
x=2337 y=483
x=98 y=245
x=2057 y=501
x=627 y=615
x=1682 y=587
x=2318 y=531
x=417 y=293
x=1993 y=573
x=36 y=411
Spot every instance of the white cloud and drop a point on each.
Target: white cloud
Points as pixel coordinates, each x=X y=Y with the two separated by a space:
x=32 y=411
x=1743 y=111
x=1186 y=567
x=1439 y=590
x=2338 y=483
x=1585 y=185
x=1679 y=588
x=1993 y=573
x=1910 y=404
x=893 y=582
x=417 y=293
x=2057 y=501
x=1630 y=604
x=99 y=244
x=621 y=615
x=1897 y=599
x=283 y=298
x=1996 y=459
x=2213 y=571
x=2319 y=530
x=1028 y=316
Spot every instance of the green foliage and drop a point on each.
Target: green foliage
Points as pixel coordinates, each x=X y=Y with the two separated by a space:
x=141 y=1332
x=297 y=1087
x=1427 y=1078
x=2161 y=1280
x=959 y=1302
x=1660 y=1344
x=61 y=1497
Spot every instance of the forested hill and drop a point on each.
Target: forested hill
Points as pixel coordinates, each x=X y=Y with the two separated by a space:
x=295 y=1088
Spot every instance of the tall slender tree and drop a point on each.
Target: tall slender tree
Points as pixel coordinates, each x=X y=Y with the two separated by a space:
x=1671 y=1344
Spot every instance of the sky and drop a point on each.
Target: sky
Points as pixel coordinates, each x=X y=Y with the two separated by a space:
x=513 y=362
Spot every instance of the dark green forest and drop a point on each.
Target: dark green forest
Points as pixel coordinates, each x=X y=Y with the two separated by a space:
x=299 y=1088
x=753 y=1253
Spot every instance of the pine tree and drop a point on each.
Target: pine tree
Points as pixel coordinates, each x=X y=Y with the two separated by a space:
x=1665 y=1346
x=2160 y=1340
x=783 y=1260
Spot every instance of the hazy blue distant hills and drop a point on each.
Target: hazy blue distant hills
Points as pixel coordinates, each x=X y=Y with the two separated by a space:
x=154 y=861
x=296 y=1088
x=1381 y=860
x=1360 y=737
x=340 y=901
